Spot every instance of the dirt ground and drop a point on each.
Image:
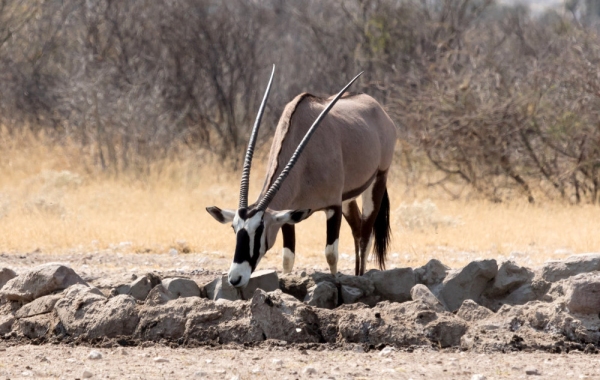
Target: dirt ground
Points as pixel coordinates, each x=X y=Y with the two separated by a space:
x=159 y=362
x=155 y=361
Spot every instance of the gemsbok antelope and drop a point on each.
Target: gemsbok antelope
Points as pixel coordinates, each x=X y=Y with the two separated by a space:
x=349 y=155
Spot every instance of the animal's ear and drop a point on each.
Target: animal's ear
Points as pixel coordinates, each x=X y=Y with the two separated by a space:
x=291 y=216
x=222 y=216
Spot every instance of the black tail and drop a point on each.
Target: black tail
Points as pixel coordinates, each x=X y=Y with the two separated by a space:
x=382 y=232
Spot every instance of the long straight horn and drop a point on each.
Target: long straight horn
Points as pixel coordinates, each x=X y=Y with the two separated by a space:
x=250 y=151
x=264 y=202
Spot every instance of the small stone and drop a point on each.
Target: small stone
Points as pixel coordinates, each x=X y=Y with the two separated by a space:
x=236 y=377
x=478 y=377
x=358 y=348
x=386 y=351
x=200 y=374
x=95 y=355
x=159 y=359
x=277 y=361
x=309 y=370
x=173 y=252
x=532 y=371
x=87 y=374
x=256 y=370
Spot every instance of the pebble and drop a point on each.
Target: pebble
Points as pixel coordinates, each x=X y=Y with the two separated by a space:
x=159 y=359
x=87 y=374
x=256 y=370
x=95 y=355
x=309 y=370
x=358 y=348
x=386 y=351
x=532 y=371
x=277 y=361
x=200 y=374
x=478 y=377
x=236 y=377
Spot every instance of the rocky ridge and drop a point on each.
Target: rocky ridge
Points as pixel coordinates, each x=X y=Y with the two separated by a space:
x=482 y=306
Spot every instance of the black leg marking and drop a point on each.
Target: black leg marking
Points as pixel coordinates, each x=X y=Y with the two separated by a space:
x=289 y=247
x=354 y=219
x=334 y=222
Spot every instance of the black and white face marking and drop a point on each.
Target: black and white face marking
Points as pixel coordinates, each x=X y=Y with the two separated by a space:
x=250 y=245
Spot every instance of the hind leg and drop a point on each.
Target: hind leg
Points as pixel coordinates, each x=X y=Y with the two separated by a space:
x=289 y=247
x=371 y=201
x=334 y=222
x=353 y=217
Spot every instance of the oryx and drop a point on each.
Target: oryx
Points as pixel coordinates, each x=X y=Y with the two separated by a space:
x=349 y=155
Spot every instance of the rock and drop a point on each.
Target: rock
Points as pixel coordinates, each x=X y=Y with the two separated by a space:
x=521 y=295
x=350 y=295
x=95 y=355
x=431 y=273
x=83 y=312
x=532 y=371
x=40 y=281
x=467 y=283
x=364 y=284
x=198 y=319
x=386 y=351
x=34 y=327
x=446 y=331
x=121 y=289
x=583 y=293
x=309 y=370
x=296 y=286
x=478 y=377
x=323 y=295
x=5 y=275
x=6 y=323
x=221 y=289
x=159 y=359
x=420 y=292
x=41 y=305
x=86 y=374
x=181 y=287
x=555 y=270
x=471 y=311
x=266 y=280
x=394 y=284
x=140 y=287
x=159 y=296
x=510 y=276
x=280 y=316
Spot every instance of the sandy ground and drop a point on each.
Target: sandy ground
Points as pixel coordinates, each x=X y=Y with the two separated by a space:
x=158 y=362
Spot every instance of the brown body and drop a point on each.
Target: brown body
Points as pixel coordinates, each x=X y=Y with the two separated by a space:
x=353 y=144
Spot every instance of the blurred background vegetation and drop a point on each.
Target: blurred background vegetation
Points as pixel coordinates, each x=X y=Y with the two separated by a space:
x=489 y=98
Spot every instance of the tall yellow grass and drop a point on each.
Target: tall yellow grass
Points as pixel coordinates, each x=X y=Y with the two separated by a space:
x=52 y=200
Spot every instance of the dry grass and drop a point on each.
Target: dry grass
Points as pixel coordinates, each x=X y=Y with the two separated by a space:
x=51 y=201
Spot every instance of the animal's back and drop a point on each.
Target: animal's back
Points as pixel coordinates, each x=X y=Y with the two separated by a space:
x=354 y=142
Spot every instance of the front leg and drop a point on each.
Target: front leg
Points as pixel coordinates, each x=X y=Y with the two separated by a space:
x=289 y=247
x=334 y=222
